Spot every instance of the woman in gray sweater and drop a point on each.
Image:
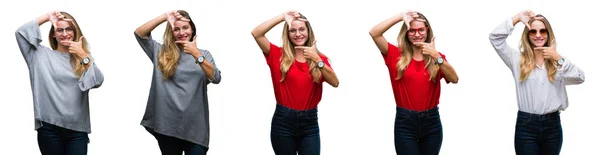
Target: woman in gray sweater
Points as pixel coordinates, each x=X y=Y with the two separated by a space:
x=61 y=77
x=177 y=110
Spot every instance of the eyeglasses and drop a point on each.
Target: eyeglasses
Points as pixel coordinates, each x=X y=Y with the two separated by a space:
x=62 y=30
x=413 y=31
x=542 y=32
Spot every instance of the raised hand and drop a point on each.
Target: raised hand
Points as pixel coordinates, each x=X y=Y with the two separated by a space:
x=190 y=47
x=55 y=16
x=76 y=47
x=410 y=16
x=310 y=52
x=549 y=52
x=429 y=48
x=173 y=16
x=292 y=15
x=525 y=17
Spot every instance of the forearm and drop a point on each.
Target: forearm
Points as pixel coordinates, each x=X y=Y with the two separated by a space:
x=330 y=76
x=515 y=19
x=380 y=28
x=206 y=66
x=449 y=72
x=145 y=30
x=263 y=28
x=208 y=69
x=42 y=19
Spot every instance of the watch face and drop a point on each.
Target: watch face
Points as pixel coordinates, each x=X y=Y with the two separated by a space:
x=86 y=60
x=561 y=61
x=200 y=59
x=321 y=64
x=440 y=60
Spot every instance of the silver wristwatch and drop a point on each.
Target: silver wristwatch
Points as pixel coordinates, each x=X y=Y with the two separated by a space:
x=85 y=61
x=200 y=60
x=561 y=61
x=439 y=61
x=320 y=64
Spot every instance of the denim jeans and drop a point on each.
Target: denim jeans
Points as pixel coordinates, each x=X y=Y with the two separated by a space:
x=174 y=146
x=538 y=134
x=295 y=131
x=55 y=140
x=418 y=133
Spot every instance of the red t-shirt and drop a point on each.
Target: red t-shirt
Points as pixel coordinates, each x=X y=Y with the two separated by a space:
x=297 y=91
x=413 y=91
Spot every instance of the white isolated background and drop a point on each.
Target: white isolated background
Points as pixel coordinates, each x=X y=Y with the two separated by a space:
x=478 y=114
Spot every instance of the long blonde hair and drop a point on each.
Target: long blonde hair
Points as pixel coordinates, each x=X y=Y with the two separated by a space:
x=78 y=68
x=527 y=63
x=287 y=58
x=169 y=54
x=407 y=51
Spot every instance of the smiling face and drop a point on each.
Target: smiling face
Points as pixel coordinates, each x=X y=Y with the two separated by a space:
x=538 y=34
x=298 y=33
x=417 y=32
x=64 y=31
x=182 y=31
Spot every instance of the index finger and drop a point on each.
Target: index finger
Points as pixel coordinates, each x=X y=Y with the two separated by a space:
x=181 y=42
x=301 y=47
x=184 y=19
x=71 y=42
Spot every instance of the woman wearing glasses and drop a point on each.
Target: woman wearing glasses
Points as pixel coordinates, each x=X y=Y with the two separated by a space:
x=61 y=77
x=540 y=75
x=298 y=71
x=416 y=69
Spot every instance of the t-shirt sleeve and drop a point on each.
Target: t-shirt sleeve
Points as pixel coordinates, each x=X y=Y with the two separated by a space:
x=29 y=39
x=273 y=55
x=149 y=46
x=392 y=54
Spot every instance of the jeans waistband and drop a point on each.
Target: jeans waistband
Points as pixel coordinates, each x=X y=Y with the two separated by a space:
x=407 y=111
x=544 y=116
x=290 y=110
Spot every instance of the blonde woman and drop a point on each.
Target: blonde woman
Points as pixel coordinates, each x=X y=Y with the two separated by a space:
x=298 y=71
x=416 y=69
x=61 y=77
x=177 y=110
x=540 y=75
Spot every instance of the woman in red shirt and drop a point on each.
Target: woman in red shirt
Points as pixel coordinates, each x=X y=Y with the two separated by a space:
x=298 y=71
x=416 y=69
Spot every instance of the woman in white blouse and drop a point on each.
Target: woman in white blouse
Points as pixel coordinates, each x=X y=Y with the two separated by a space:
x=540 y=75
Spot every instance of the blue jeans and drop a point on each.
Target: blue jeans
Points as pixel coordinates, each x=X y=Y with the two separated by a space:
x=295 y=131
x=55 y=140
x=174 y=146
x=418 y=133
x=538 y=134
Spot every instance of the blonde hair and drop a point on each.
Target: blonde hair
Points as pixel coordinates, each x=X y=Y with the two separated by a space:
x=169 y=54
x=407 y=51
x=527 y=63
x=78 y=68
x=287 y=58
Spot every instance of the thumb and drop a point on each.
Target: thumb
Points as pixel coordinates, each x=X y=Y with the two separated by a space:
x=194 y=40
x=81 y=39
x=433 y=41
x=314 y=43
